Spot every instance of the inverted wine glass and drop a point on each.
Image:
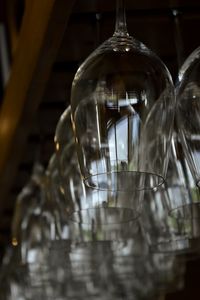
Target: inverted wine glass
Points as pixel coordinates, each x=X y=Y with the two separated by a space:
x=54 y=207
x=184 y=197
x=170 y=216
x=122 y=102
x=26 y=199
x=83 y=204
x=71 y=184
x=188 y=111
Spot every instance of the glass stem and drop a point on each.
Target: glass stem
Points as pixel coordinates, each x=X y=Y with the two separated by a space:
x=120 y=24
x=178 y=38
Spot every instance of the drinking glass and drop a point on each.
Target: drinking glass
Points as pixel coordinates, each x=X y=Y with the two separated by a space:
x=122 y=102
x=183 y=193
x=46 y=226
x=71 y=184
x=53 y=210
x=34 y=234
x=83 y=204
x=183 y=196
x=26 y=198
x=188 y=109
x=168 y=232
x=13 y=276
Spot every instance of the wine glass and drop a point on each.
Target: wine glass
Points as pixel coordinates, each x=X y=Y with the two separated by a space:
x=122 y=103
x=166 y=220
x=83 y=204
x=27 y=198
x=13 y=276
x=187 y=115
x=71 y=184
x=53 y=210
x=183 y=192
x=169 y=218
x=188 y=108
x=183 y=198
x=34 y=244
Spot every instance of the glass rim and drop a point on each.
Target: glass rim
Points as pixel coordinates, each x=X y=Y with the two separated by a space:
x=97 y=188
x=172 y=212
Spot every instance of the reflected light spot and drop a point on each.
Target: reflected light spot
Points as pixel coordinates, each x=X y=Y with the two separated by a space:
x=57 y=146
x=5 y=126
x=14 y=242
x=62 y=190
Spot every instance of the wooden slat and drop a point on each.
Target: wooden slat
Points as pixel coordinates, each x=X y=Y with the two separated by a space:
x=42 y=30
x=13 y=25
x=104 y=5
x=2 y=10
x=59 y=87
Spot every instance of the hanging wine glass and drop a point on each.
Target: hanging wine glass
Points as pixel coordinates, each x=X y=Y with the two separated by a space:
x=46 y=224
x=13 y=276
x=45 y=236
x=85 y=205
x=182 y=189
x=35 y=233
x=183 y=195
x=167 y=219
x=182 y=201
x=54 y=206
x=166 y=233
x=188 y=108
x=122 y=103
x=187 y=115
x=63 y=134
x=54 y=217
x=71 y=184
x=26 y=199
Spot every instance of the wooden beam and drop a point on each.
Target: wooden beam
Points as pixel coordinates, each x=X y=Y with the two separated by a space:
x=42 y=30
x=93 y=6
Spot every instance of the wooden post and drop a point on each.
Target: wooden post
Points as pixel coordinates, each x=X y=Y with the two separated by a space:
x=43 y=26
